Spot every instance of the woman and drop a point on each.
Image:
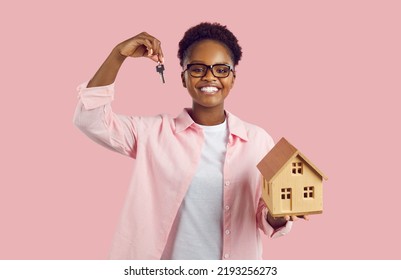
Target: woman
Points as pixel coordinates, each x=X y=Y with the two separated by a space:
x=195 y=192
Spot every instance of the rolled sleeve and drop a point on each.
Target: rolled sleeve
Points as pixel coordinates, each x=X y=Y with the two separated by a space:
x=95 y=97
x=95 y=118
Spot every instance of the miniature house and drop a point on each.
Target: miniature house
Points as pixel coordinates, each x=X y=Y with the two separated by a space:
x=292 y=185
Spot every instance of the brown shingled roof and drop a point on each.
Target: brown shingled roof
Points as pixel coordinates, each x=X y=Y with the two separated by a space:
x=277 y=158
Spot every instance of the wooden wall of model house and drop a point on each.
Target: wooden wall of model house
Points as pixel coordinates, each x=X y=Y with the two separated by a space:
x=286 y=191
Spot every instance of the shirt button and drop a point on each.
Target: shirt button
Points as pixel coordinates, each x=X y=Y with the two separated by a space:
x=227 y=207
x=226 y=256
x=227 y=231
x=227 y=183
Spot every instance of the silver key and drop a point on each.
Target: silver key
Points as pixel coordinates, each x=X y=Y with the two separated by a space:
x=160 y=69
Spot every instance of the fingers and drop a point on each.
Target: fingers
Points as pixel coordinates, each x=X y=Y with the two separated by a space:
x=153 y=48
x=142 y=45
x=156 y=52
x=295 y=218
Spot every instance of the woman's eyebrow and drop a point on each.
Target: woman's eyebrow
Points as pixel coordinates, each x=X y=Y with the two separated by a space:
x=202 y=62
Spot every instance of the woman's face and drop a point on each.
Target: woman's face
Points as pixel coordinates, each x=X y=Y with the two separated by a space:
x=208 y=91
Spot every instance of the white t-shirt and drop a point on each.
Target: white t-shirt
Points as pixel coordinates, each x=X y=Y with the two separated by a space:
x=198 y=226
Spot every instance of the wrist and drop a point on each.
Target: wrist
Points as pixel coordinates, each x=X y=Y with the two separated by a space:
x=275 y=222
x=116 y=55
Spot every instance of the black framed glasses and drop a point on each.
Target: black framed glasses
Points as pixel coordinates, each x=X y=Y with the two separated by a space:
x=199 y=70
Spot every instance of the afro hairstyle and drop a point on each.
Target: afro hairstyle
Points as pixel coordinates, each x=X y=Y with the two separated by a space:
x=209 y=31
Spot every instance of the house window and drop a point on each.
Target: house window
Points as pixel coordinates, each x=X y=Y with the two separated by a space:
x=309 y=192
x=286 y=193
x=297 y=168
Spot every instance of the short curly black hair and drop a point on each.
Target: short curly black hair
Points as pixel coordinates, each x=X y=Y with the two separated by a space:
x=209 y=31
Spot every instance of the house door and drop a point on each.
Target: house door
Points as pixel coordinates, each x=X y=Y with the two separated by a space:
x=286 y=199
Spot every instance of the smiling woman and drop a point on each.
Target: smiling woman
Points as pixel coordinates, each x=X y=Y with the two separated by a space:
x=208 y=92
x=195 y=191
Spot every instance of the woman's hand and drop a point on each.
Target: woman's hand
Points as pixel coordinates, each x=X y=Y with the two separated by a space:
x=294 y=218
x=279 y=222
x=142 y=45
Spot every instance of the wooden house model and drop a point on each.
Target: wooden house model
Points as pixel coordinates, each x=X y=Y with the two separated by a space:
x=292 y=185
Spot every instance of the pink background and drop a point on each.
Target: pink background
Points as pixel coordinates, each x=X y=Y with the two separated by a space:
x=325 y=74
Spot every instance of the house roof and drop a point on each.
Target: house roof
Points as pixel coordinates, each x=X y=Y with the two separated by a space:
x=279 y=156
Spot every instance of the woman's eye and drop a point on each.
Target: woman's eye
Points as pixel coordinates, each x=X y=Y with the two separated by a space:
x=222 y=70
x=197 y=70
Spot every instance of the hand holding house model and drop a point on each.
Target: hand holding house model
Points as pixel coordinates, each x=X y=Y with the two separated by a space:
x=292 y=184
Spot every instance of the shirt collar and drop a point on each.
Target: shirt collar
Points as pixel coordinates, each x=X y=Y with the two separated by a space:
x=235 y=125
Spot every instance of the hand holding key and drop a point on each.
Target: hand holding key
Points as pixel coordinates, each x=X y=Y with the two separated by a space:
x=142 y=45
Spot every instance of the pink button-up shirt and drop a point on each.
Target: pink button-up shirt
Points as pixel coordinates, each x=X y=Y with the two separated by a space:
x=166 y=152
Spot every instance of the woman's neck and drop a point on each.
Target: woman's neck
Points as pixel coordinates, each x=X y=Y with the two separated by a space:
x=208 y=116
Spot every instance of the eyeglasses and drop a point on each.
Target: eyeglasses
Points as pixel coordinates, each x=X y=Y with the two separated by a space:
x=199 y=70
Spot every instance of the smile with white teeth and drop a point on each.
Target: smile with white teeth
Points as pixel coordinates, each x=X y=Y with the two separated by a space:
x=209 y=89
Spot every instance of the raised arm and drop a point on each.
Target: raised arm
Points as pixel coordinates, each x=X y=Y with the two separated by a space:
x=141 y=45
x=94 y=115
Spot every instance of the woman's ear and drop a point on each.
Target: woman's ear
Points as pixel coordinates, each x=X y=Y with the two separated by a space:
x=184 y=84
x=233 y=80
